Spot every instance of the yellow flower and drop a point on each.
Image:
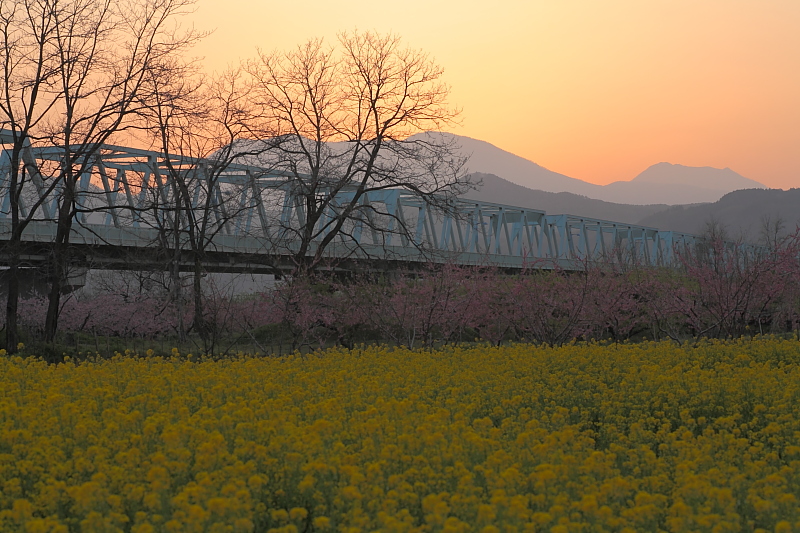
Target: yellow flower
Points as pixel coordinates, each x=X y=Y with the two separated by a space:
x=279 y=515
x=623 y=437
x=297 y=513
x=322 y=522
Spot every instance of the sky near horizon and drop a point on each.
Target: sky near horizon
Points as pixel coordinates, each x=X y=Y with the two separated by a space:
x=595 y=90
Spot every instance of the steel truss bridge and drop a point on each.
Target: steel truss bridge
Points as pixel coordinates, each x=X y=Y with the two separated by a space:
x=126 y=219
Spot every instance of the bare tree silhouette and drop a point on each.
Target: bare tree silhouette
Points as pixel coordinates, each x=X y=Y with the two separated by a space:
x=342 y=121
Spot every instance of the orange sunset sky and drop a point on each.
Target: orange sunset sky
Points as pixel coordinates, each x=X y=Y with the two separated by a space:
x=596 y=90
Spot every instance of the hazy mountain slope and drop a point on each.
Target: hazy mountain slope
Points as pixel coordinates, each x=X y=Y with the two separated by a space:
x=635 y=193
x=501 y=191
x=675 y=184
x=662 y=183
x=741 y=212
x=489 y=159
x=707 y=177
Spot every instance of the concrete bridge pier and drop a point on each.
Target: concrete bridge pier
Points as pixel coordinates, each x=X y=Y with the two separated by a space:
x=33 y=281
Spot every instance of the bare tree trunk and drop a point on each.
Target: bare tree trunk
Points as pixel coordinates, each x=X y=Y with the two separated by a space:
x=12 y=303
x=13 y=250
x=177 y=295
x=177 y=284
x=59 y=262
x=200 y=323
x=14 y=246
x=53 y=298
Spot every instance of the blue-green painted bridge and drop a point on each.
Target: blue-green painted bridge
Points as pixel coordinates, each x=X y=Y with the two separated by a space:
x=126 y=218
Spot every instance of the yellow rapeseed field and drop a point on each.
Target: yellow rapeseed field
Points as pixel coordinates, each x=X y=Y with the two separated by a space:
x=631 y=437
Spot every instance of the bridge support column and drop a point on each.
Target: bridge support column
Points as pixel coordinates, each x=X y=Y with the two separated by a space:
x=33 y=281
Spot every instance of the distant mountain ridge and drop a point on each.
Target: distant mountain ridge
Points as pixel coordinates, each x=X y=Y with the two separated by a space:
x=675 y=184
x=711 y=177
x=662 y=183
x=501 y=191
x=489 y=159
x=742 y=213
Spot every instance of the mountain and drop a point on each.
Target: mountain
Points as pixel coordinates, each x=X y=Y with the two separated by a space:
x=709 y=177
x=741 y=213
x=489 y=159
x=677 y=184
x=498 y=190
x=662 y=183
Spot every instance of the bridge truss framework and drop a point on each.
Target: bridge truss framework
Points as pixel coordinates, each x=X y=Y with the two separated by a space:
x=125 y=200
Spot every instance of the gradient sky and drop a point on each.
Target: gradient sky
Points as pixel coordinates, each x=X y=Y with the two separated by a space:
x=596 y=90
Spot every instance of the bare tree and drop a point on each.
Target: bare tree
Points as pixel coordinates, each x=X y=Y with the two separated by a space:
x=73 y=73
x=195 y=122
x=711 y=247
x=772 y=232
x=346 y=119
x=27 y=96
x=101 y=52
